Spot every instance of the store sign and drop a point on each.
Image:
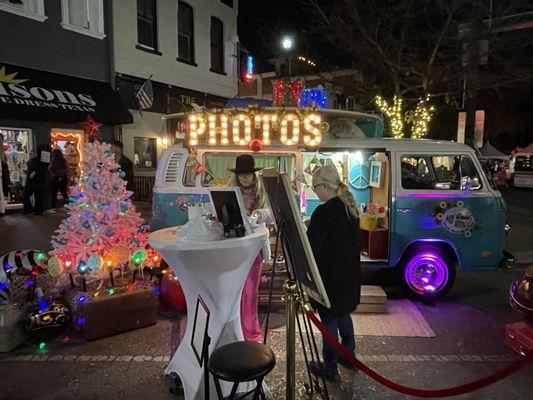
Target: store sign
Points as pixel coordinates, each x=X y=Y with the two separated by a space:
x=239 y=128
x=32 y=94
x=14 y=90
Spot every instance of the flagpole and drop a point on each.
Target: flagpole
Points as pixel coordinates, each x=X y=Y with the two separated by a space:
x=146 y=80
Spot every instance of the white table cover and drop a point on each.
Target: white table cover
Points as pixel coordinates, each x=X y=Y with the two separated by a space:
x=216 y=271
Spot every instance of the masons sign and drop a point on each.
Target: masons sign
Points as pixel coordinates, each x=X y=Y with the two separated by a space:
x=39 y=95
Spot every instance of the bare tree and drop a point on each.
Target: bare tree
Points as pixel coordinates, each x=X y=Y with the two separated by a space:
x=409 y=48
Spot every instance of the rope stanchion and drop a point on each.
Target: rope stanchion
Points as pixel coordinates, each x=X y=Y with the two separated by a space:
x=454 y=391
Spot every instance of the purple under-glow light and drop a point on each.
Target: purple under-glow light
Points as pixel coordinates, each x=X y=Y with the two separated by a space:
x=426 y=273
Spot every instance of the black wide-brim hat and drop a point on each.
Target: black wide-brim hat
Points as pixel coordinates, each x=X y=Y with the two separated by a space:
x=245 y=164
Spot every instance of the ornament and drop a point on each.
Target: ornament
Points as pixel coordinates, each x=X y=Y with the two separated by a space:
x=54 y=267
x=86 y=224
x=140 y=229
x=134 y=241
x=82 y=267
x=171 y=291
x=99 y=164
x=119 y=255
x=101 y=206
x=45 y=321
x=122 y=174
x=123 y=208
x=109 y=232
x=108 y=153
x=94 y=262
x=91 y=127
x=63 y=240
x=138 y=257
x=255 y=145
x=115 y=187
x=89 y=241
x=95 y=185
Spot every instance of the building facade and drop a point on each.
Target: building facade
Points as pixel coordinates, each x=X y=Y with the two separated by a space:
x=189 y=51
x=56 y=69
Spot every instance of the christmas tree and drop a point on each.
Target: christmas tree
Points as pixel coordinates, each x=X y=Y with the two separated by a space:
x=102 y=231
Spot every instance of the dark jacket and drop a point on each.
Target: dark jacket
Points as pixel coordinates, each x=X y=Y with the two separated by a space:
x=127 y=166
x=40 y=179
x=334 y=238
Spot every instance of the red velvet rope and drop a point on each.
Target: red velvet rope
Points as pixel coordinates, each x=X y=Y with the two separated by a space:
x=454 y=391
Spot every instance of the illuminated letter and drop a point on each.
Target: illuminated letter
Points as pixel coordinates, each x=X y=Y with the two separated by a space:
x=311 y=123
x=295 y=130
x=212 y=118
x=224 y=140
x=196 y=128
x=236 y=122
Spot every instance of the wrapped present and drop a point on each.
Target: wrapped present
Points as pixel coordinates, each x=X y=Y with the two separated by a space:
x=115 y=310
x=11 y=327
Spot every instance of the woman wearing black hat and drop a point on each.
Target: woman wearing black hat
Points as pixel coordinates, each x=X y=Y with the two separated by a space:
x=255 y=201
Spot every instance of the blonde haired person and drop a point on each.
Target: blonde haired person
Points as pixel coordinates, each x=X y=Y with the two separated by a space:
x=255 y=201
x=334 y=237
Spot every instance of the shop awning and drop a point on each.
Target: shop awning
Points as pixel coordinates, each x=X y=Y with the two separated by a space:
x=30 y=94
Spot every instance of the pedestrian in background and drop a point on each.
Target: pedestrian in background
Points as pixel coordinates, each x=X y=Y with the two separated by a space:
x=125 y=164
x=37 y=182
x=58 y=177
x=334 y=237
x=4 y=172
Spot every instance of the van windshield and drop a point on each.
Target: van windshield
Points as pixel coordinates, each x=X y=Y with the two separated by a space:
x=218 y=166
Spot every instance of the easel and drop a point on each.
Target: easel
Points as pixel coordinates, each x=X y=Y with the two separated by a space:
x=295 y=300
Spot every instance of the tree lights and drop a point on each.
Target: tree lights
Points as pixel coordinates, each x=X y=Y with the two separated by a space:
x=418 y=118
x=394 y=113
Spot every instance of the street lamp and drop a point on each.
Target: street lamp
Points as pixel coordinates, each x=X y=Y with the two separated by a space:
x=287 y=44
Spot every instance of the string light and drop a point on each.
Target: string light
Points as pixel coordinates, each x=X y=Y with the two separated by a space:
x=394 y=113
x=287 y=93
x=197 y=128
x=421 y=118
x=306 y=60
x=315 y=136
x=313 y=98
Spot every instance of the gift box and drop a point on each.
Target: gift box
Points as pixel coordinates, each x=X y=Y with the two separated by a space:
x=108 y=314
x=11 y=329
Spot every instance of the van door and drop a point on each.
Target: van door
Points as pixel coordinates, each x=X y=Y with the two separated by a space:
x=445 y=198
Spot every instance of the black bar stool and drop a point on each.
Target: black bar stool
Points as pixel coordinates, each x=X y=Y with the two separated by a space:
x=241 y=362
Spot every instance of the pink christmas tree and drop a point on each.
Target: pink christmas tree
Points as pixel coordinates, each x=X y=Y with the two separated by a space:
x=102 y=231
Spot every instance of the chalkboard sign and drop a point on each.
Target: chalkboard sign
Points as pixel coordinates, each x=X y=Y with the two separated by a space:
x=294 y=237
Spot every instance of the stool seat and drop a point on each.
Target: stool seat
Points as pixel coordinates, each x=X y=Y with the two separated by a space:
x=242 y=361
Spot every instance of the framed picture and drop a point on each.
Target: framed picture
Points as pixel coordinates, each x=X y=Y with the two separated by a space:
x=375 y=174
x=145 y=150
x=199 y=340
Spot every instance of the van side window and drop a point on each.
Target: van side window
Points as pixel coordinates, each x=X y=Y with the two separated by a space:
x=415 y=173
x=440 y=173
x=190 y=173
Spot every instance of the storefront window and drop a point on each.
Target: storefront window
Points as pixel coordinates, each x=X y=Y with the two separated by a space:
x=145 y=152
x=17 y=147
x=70 y=142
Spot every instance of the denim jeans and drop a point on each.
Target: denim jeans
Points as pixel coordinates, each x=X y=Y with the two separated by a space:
x=342 y=325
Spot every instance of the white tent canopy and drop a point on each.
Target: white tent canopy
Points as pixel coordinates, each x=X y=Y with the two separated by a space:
x=489 y=151
x=526 y=151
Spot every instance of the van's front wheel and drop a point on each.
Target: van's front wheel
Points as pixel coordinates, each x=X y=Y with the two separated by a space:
x=429 y=272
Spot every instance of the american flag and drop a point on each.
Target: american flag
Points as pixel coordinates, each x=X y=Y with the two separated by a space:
x=145 y=95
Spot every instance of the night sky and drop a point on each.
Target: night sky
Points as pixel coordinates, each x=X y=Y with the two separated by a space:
x=259 y=19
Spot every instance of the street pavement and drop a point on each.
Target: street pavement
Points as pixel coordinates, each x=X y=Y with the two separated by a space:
x=469 y=326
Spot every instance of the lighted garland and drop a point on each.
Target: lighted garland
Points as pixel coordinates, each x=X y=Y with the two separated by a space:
x=287 y=93
x=394 y=113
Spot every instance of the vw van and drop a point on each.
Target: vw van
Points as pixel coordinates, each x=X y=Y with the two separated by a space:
x=426 y=207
